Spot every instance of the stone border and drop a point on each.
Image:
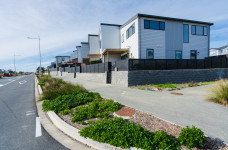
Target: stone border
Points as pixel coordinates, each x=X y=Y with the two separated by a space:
x=68 y=129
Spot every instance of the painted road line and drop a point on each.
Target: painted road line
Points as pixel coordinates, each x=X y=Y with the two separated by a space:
x=1 y=85
x=38 y=127
x=22 y=82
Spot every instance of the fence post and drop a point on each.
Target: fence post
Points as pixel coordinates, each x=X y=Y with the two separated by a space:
x=196 y=64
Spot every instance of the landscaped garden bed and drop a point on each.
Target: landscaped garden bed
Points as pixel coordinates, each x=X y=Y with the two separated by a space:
x=94 y=116
x=170 y=86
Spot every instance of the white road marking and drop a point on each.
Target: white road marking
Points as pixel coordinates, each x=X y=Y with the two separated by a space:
x=11 y=80
x=28 y=114
x=22 y=82
x=38 y=127
x=1 y=85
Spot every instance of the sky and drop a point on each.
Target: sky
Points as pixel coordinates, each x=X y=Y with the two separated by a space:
x=63 y=24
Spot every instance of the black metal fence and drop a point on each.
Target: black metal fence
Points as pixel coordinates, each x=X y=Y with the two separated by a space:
x=96 y=68
x=171 y=64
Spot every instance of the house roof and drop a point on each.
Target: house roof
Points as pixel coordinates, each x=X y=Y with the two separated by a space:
x=78 y=46
x=84 y=43
x=223 y=47
x=92 y=35
x=62 y=56
x=106 y=24
x=166 y=18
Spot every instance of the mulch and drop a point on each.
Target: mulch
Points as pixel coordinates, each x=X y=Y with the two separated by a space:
x=175 y=93
x=125 y=111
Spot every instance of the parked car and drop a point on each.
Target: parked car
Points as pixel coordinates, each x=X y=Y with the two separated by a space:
x=6 y=74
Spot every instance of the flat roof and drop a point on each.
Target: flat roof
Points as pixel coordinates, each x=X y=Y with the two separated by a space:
x=92 y=35
x=84 y=43
x=62 y=56
x=166 y=18
x=107 y=24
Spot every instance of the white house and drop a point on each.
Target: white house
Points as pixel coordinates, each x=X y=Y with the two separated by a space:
x=156 y=37
x=219 y=51
x=61 y=59
x=83 y=51
x=94 y=47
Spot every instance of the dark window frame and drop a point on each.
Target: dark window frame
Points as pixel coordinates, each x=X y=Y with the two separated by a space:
x=132 y=28
x=195 y=26
x=147 y=53
x=176 y=53
x=122 y=38
x=183 y=33
x=191 y=53
x=159 y=24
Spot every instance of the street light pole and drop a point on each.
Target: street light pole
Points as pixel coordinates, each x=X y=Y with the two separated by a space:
x=39 y=51
x=14 y=62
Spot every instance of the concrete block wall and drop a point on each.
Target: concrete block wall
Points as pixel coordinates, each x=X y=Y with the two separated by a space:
x=96 y=77
x=175 y=76
x=120 y=78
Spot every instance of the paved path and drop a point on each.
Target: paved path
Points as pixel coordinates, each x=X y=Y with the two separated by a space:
x=19 y=124
x=188 y=109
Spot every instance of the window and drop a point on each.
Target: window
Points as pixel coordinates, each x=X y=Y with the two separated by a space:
x=150 y=54
x=63 y=59
x=122 y=38
x=178 y=55
x=193 y=54
x=130 y=30
x=146 y=24
x=193 y=30
x=186 y=33
x=199 y=30
x=155 y=25
x=205 y=31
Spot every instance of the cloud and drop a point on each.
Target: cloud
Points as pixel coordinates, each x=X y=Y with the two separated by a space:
x=64 y=24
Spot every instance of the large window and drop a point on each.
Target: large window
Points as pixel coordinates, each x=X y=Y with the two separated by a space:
x=193 y=54
x=130 y=30
x=63 y=59
x=155 y=25
x=199 y=30
x=185 y=33
x=150 y=54
x=178 y=54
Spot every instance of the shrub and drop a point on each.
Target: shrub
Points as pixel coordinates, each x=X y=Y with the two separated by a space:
x=124 y=134
x=165 y=85
x=219 y=92
x=192 y=137
x=54 y=90
x=99 y=109
x=192 y=84
x=95 y=61
x=63 y=104
x=41 y=83
x=164 y=141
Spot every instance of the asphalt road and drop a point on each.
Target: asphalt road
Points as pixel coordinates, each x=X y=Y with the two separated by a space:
x=19 y=125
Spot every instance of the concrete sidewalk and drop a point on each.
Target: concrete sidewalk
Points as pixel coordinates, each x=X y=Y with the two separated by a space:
x=188 y=109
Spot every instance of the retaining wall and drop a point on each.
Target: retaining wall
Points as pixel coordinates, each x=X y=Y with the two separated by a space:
x=175 y=76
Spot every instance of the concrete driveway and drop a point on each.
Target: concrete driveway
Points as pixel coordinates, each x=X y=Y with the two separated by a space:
x=188 y=109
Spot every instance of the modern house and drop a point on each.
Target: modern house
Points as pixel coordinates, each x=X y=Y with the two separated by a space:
x=94 y=47
x=219 y=51
x=83 y=51
x=61 y=60
x=74 y=56
x=157 y=37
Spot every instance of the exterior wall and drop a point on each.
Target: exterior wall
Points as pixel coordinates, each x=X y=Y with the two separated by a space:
x=59 y=59
x=120 y=78
x=152 y=39
x=132 y=43
x=175 y=76
x=112 y=58
x=173 y=38
x=196 y=42
x=73 y=55
x=94 y=77
x=215 y=52
x=85 y=50
x=94 y=45
x=79 y=54
x=110 y=37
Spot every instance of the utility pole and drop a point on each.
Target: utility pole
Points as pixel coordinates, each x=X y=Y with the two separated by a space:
x=14 y=62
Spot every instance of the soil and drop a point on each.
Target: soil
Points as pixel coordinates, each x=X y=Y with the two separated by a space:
x=175 y=93
x=125 y=111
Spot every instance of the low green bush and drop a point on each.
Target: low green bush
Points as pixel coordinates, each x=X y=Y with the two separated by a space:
x=41 y=83
x=192 y=137
x=63 y=104
x=124 y=134
x=99 y=109
x=95 y=61
x=165 y=85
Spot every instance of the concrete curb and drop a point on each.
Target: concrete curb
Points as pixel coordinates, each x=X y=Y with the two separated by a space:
x=68 y=129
